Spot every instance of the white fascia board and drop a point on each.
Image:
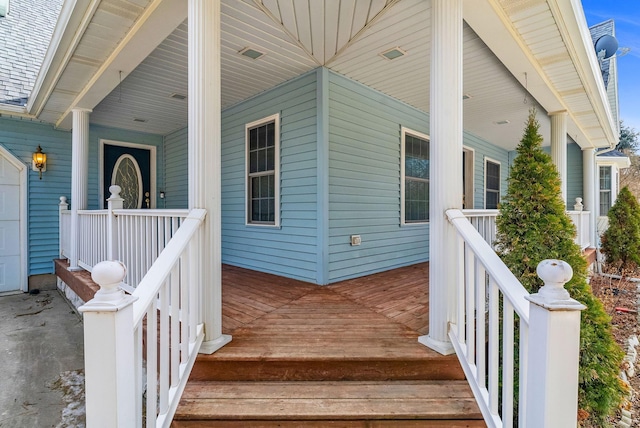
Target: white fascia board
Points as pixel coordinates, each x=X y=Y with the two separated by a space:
x=155 y=24
x=620 y=161
x=75 y=16
x=493 y=26
x=572 y=24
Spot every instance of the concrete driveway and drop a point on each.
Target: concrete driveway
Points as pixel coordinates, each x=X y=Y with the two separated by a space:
x=41 y=362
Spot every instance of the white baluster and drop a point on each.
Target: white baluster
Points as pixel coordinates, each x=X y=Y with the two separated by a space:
x=115 y=202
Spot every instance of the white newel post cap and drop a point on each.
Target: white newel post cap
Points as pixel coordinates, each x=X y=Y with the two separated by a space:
x=115 y=190
x=553 y=296
x=108 y=275
x=578 y=206
x=63 y=201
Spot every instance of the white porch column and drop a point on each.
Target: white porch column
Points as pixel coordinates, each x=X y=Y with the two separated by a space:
x=589 y=190
x=204 y=158
x=445 y=182
x=79 y=174
x=559 y=148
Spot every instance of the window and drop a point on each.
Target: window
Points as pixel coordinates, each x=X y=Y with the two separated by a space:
x=263 y=176
x=605 y=190
x=415 y=177
x=492 y=184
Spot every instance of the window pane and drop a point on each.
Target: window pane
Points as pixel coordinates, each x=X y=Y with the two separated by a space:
x=492 y=200
x=493 y=176
x=253 y=139
x=416 y=200
x=605 y=202
x=255 y=210
x=605 y=178
x=416 y=157
x=253 y=161
x=271 y=159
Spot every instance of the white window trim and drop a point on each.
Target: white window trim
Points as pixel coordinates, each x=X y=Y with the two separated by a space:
x=612 y=193
x=275 y=118
x=403 y=132
x=484 y=193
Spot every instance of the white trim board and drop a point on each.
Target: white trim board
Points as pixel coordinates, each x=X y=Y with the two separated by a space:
x=24 y=216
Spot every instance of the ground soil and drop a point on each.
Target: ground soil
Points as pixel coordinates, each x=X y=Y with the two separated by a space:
x=620 y=298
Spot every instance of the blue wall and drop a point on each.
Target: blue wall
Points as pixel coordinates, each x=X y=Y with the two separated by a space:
x=176 y=163
x=21 y=137
x=575 y=186
x=291 y=249
x=364 y=180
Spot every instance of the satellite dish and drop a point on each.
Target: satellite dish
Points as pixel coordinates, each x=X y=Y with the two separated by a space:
x=606 y=46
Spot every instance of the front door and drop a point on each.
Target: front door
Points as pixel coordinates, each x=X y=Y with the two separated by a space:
x=130 y=167
x=11 y=263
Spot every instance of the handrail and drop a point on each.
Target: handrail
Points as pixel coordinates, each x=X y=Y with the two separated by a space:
x=153 y=213
x=484 y=274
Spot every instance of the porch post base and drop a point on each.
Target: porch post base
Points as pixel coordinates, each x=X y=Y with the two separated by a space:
x=211 y=346
x=444 y=348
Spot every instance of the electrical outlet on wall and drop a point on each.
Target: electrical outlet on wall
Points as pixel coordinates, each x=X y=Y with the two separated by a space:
x=355 y=240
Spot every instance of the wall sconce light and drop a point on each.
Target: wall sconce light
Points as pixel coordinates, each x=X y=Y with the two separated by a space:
x=39 y=161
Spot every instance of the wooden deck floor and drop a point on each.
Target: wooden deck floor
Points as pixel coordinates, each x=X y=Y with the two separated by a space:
x=290 y=330
x=376 y=316
x=401 y=295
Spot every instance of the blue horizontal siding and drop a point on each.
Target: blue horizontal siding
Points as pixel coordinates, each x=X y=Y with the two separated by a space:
x=575 y=185
x=364 y=182
x=482 y=151
x=176 y=164
x=291 y=249
x=21 y=137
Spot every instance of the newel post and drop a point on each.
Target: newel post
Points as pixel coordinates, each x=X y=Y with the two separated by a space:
x=63 y=206
x=109 y=350
x=554 y=350
x=115 y=202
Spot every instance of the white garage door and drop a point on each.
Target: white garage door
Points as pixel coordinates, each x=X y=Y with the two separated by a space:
x=10 y=206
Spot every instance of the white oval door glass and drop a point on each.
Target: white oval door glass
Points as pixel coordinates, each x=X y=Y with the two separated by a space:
x=127 y=175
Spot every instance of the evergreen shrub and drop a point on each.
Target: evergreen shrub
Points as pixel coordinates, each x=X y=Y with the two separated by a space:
x=620 y=243
x=533 y=226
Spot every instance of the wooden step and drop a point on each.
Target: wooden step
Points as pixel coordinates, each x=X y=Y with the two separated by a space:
x=446 y=403
x=289 y=369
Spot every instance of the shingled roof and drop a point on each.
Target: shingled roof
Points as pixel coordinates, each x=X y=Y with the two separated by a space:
x=25 y=34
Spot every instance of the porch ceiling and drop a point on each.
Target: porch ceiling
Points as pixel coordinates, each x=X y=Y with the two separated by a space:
x=347 y=37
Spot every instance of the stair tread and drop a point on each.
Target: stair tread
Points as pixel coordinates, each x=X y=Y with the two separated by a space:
x=314 y=400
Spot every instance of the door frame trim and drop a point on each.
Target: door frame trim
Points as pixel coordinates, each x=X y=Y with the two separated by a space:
x=24 y=217
x=152 y=167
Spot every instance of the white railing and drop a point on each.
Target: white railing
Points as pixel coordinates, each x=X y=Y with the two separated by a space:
x=493 y=311
x=140 y=236
x=135 y=237
x=92 y=242
x=581 y=219
x=484 y=222
x=158 y=331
